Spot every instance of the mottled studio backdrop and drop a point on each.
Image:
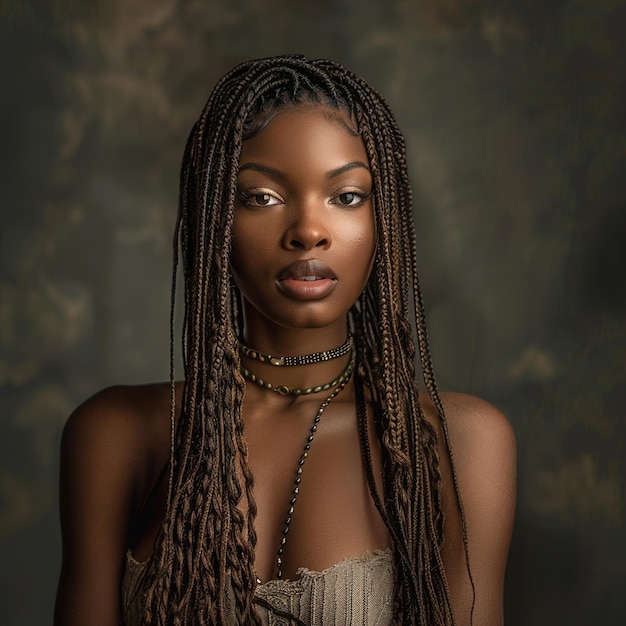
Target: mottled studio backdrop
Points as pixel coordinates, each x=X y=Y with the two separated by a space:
x=515 y=115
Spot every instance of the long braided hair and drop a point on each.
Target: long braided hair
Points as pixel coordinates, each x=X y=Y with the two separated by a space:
x=202 y=569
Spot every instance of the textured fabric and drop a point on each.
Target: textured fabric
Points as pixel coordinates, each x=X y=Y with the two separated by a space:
x=352 y=592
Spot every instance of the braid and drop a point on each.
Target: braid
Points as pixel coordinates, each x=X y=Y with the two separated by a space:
x=203 y=563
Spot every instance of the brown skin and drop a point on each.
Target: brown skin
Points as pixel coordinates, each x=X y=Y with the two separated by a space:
x=313 y=209
x=116 y=444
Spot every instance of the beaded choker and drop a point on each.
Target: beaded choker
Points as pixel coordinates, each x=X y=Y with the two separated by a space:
x=283 y=390
x=305 y=359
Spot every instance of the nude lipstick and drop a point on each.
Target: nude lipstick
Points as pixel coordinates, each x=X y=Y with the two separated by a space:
x=307 y=280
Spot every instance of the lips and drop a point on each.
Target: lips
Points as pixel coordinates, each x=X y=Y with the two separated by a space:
x=307 y=280
x=311 y=269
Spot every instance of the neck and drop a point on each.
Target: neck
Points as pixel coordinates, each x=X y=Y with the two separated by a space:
x=296 y=343
x=281 y=341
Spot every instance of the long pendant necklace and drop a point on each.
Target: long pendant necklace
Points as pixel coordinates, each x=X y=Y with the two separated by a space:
x=303 y=457
x=339 y=383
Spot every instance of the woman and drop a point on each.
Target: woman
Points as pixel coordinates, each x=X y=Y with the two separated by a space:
x=314 y=486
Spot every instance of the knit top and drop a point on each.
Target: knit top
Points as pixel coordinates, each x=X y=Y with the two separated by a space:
x=355 y=591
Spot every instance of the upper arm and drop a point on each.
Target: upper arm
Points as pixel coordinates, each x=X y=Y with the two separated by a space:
x=96 y=489
x=484 y=454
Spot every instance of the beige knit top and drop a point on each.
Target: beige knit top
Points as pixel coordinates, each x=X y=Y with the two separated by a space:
x=355 y=591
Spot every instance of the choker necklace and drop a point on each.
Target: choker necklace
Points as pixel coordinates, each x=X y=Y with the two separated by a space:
x=305 y=359
x=283 y=390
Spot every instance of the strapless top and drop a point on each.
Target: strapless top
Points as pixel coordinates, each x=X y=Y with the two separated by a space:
x=356 y=591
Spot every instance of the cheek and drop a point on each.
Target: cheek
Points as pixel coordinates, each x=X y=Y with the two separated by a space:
x=360 y=236
x=247 y=245
x=359 y=245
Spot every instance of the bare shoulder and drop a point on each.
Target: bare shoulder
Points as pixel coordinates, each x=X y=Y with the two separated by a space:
x=482 y=446
x=120 y=419
x=482 y=456
x=112 y=447
x=476 y=425
x=476 y=428
x=119 y=438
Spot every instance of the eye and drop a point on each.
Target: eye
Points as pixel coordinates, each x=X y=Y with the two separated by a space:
x=263 y=199
x=350 y=198
x=259 y=198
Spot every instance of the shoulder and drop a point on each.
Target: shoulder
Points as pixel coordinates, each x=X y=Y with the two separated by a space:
x=483 y=452
x=120 y=427
x=475 y=425
x=120 y=416
x=121 y=434
x=481 y=444
x=113 y=446
x=482 y=459
x=116 y=440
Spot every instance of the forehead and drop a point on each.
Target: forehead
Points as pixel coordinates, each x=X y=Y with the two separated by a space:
x=312 y=132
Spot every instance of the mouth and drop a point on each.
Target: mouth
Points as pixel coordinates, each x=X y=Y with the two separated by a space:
x=308 y=271
x=307 y=280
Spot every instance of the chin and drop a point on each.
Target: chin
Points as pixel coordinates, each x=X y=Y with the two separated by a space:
x=309 y=317
x=290 y=314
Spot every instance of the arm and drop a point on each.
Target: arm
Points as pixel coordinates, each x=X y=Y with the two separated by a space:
x=98 y=457
x=484 y=455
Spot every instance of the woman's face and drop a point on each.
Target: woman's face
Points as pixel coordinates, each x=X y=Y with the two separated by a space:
x=303 y=237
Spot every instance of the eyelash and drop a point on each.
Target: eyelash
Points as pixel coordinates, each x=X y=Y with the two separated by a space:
x=362 y=198
x=246 y=198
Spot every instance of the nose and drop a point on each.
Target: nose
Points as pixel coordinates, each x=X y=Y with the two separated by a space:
x=307 y=228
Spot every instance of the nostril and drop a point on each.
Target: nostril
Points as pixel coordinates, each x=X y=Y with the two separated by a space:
x=297 y=240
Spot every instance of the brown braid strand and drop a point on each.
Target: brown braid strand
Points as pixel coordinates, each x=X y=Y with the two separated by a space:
x=207 y=546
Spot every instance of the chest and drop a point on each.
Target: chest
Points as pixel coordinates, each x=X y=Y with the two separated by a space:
x=310 y=487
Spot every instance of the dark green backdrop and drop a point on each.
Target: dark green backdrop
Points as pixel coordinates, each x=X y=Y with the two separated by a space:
x=514 y=116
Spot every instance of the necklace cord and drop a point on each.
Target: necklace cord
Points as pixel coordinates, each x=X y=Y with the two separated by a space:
x=284 y=390
x=339 y=385
x=304 y=359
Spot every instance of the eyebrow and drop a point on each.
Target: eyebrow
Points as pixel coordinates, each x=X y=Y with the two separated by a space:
x=262 y=168
x=280 y=175
x=346 y=168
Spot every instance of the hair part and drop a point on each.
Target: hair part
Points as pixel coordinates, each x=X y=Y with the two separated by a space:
x=338 y=110
x=203 y=563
